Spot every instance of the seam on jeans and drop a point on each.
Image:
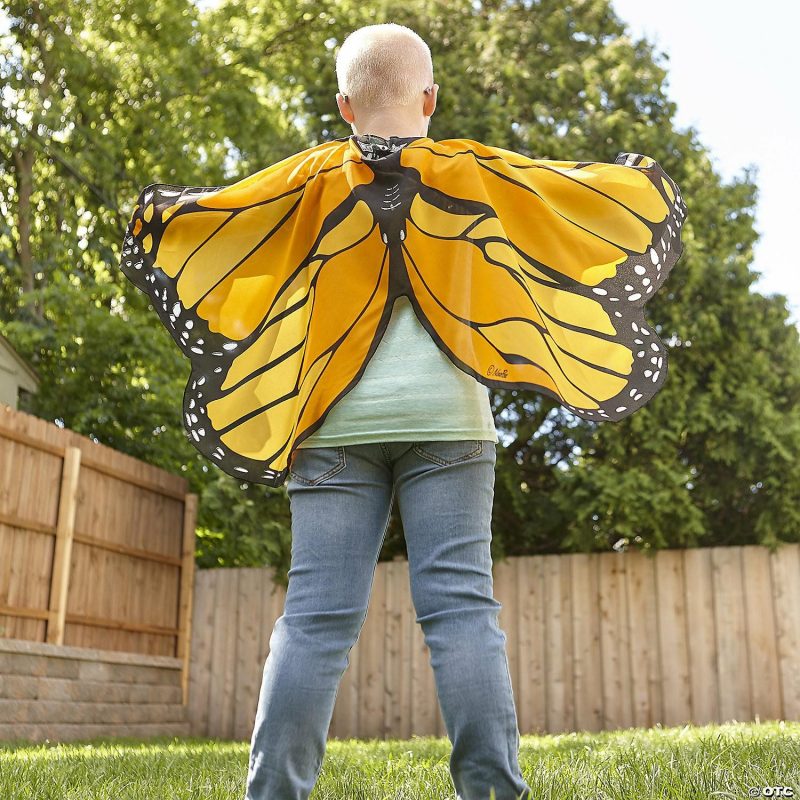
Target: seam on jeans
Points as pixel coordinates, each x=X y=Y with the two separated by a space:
x=514 y=755
x=430 y=456
x=386 y=457
x=375 y=565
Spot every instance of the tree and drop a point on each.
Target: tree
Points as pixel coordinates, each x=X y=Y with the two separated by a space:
x=100 y=104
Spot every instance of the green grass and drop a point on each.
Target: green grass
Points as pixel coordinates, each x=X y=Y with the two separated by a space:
x=708 y=763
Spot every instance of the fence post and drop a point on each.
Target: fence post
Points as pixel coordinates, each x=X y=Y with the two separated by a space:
x=183 y=648
x=62 y=552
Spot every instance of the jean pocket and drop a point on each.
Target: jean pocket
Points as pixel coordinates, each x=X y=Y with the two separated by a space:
x=449 y=452
x=314 y=465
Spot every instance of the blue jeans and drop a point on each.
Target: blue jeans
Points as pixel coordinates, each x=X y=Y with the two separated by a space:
x=340 y=499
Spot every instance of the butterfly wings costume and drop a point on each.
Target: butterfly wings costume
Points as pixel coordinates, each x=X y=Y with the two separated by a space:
x=527 y=273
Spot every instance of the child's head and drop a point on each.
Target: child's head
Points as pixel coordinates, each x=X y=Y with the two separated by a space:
x=385 y=77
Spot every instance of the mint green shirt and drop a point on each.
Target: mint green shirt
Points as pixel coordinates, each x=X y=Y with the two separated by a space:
x=410 y=391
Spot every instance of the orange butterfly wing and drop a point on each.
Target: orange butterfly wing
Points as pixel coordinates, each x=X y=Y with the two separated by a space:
x=234 y=274
x=527 y=273
x=533 y=273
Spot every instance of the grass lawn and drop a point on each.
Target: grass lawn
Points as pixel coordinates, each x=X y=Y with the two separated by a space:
x=708 y=763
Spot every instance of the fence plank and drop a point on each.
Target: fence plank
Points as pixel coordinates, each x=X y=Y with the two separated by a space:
x=674 y=649
x=188 y=549
x=558 y=654
x=614 y=642
x=247 y=671
x=531 y=703
x=62 y=556
x=762 y=641
x=202 y=643
x=785 y=568
x=734 y=672
x=702 y=635
x=640 y=582
x=220 y=712
x=588 y=665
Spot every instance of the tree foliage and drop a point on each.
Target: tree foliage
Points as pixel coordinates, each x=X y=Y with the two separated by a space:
x=103 y=99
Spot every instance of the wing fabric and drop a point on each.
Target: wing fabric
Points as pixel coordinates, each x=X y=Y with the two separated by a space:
x=532 y=273
x=527 y=273
x=234 y=273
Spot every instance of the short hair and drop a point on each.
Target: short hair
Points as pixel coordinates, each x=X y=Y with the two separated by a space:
x=384 y=65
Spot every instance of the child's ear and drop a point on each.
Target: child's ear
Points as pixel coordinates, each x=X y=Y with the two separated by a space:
x=344 y=108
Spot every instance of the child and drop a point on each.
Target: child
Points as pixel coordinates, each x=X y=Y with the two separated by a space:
x=417 y=427
x=345 y=312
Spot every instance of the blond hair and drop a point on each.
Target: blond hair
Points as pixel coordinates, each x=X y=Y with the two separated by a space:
x=384 y=65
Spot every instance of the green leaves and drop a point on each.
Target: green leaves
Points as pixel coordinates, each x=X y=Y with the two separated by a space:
x=101 y=103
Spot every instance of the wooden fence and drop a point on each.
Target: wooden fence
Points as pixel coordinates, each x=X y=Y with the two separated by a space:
x=595 y=641
x=97 y=555
x=96 y=548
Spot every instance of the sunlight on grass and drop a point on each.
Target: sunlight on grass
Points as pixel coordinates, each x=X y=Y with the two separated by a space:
x=689 y=762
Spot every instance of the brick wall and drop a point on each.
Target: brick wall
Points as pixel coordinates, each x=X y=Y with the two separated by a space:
x=65 y=693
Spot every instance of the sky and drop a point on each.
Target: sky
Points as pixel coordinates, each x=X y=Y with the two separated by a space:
x=733 y=72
